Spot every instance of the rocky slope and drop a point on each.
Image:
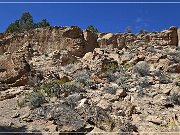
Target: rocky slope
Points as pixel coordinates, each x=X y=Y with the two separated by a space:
x=64 y=79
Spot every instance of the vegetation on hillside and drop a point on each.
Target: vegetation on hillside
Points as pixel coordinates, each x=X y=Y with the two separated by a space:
x=92 y=29
x=25 y=23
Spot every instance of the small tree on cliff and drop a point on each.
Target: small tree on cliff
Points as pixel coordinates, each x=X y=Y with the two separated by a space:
x=43 y=23
x=25 y=23
x=92 y=28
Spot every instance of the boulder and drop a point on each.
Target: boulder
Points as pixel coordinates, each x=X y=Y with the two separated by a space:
x=91 y=41
x=14 y=69
x=175 y=68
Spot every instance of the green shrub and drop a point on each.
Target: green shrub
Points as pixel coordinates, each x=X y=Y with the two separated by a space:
x=25 y=23
x=33 y=99
x=110 y=66
x=92 y=29
x=53 y=88
x=72 y=87
x=173 y=125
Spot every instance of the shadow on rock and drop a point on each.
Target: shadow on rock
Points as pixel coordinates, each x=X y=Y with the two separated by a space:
x=8 y=130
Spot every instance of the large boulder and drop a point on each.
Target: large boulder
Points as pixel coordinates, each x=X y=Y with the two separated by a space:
x=91 y=40
x=111 y=40
x=14 y=69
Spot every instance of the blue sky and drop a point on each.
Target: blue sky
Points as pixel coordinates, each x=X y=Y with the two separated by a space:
x=106 y=17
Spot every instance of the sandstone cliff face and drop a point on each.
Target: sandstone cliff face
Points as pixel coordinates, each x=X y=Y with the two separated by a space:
x=164 y=38
x=20 y=50
x=46 y=40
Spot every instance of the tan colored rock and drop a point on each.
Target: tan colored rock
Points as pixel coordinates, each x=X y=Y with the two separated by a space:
x=121 y=93
x=15 y=69
x=152 y=58
x=166 y=88
x=19 y=50
x=91 y=41
x=178 y=33
x=104 y=104
x=162 y=64
x=110 y=97
x=48 y=39
x=100 y=60
x=175 y=68
x=154 y=119
x=164 y=38
x=111 y=40
x=122 y=40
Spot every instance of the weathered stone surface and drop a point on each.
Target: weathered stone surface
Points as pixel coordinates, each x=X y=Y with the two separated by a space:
x=175 y=68
x=91 y=41
x=154 y=119
x=46 y=40
x=18 y=49
x=15 y=68
x=178 y=32
x=122 y=40
x=121 y=93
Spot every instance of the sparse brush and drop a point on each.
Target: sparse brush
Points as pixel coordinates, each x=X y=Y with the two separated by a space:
x=127 y=128
x=90 y=83
x=121 y=80
x=177 y=81
x=69 y=66
x=142 y=68
x=72 y=87
x=53 y=88
x=143 y=82
x=111 y=77
x=164 y=79
x=118 y=78
x=33 y=99
x=174 y=53
x=174 y=99
x=34 y=78
x=173 y=125
x=140 y=92
x=82 y=76
x=125 y=86
x=110 y=66
x=151 y=49
x=111 y=90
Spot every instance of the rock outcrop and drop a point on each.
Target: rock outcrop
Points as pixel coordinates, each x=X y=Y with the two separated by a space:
x=63 y=79
x=121 y=40
x=17 y=49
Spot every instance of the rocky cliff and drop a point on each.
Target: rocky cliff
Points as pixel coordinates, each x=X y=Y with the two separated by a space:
x=18 y=48
x=74 y=80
